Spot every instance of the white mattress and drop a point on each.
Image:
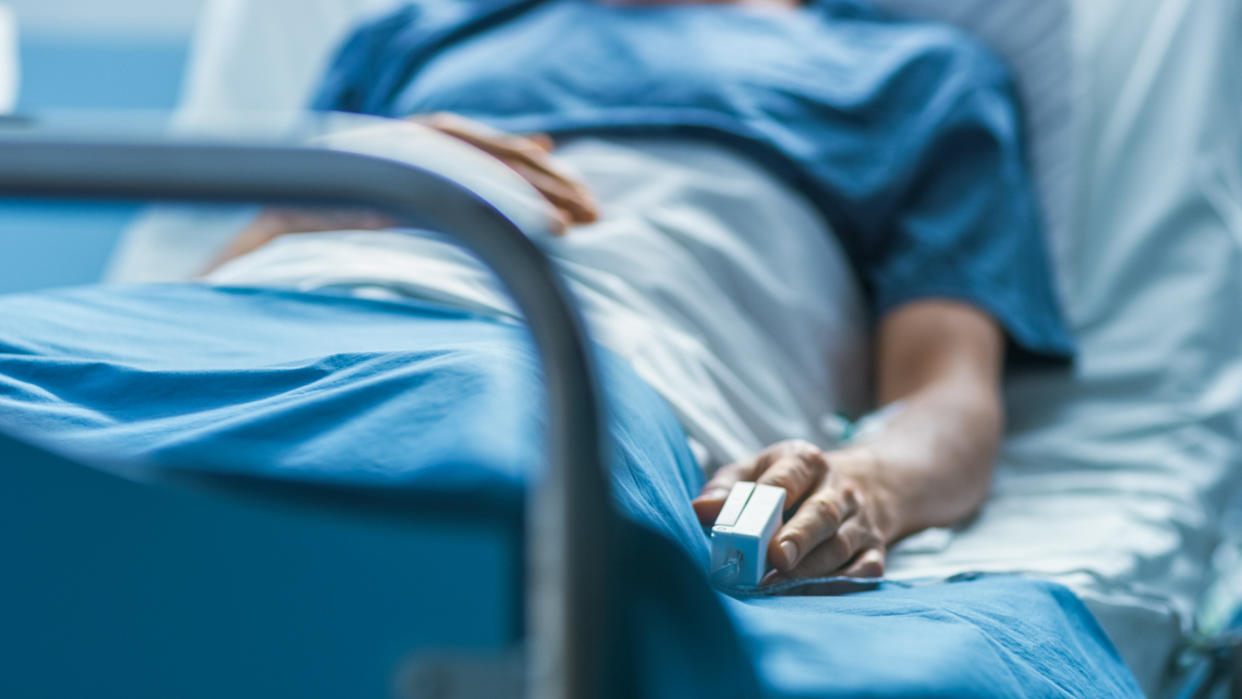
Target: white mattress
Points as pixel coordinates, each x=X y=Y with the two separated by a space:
x=1113 y=480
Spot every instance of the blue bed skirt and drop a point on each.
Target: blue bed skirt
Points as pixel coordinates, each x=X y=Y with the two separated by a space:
x=444 y=407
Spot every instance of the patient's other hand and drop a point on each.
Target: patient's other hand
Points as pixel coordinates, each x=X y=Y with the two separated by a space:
x=842 y=521
x=530 y=157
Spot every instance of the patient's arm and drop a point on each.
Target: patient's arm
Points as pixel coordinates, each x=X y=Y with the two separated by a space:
x=274 y=222
x=930 y=465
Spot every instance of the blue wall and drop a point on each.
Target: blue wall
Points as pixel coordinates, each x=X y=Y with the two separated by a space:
x=43 y=245
x=61 y=72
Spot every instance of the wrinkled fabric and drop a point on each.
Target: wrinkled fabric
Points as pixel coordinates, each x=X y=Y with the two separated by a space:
x=423 y=401
x=316 y=387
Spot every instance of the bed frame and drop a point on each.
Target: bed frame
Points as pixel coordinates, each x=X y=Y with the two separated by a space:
x=569 y=519
x=570 y=524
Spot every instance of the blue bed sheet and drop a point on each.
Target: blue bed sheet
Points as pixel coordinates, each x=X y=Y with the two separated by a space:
x=439 y=405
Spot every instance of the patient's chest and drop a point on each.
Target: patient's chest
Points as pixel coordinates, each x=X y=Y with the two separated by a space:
x=602 y=57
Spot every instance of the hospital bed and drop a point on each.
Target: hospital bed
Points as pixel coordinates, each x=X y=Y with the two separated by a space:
x=1134 y=459
x=200 y=572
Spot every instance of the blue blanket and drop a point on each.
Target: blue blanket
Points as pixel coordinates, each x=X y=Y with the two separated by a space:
x=437 y=404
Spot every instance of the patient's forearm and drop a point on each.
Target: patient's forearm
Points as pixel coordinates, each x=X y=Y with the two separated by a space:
x=935 y=457
x=273 y=223
x=251 y=238
x=929 y=466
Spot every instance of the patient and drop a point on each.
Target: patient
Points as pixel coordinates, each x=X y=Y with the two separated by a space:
x=775 y=212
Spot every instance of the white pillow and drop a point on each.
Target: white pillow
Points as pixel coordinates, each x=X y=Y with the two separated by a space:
x=256 y=55
x=246 y=56
x=252 y=55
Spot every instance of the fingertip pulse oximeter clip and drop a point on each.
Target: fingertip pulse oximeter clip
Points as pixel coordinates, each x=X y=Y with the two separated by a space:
x=750 y=517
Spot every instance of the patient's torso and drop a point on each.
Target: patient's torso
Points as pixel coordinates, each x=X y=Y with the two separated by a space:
x=906 y=136
x=724 y=289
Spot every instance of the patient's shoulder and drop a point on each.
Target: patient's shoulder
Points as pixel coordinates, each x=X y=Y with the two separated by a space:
x=942 y=50
x=938 y=72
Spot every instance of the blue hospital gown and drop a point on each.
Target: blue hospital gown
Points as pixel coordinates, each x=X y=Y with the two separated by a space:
x=906 y=136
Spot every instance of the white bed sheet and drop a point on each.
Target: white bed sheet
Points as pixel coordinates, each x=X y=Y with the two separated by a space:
x=1112 y=480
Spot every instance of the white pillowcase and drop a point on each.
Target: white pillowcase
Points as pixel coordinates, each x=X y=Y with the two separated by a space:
x=264 y=55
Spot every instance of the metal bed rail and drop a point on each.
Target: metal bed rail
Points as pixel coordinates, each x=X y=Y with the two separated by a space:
x=568 y=513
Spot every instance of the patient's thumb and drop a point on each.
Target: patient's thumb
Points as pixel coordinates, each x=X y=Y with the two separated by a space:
x=707 y=505
x=712 y=498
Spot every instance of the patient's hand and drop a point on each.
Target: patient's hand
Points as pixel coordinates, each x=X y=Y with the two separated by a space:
x=530 y=157
x=841 y=522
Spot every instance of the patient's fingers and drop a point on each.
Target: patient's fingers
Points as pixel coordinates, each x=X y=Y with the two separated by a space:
x=707 y=505
x=797 y=468
x=793 y=465
x=458 y=126
x=533 y=163
x=868 y=564
x=528 y=155
x=833 y=555
x=817 y=520
x=562 y=194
